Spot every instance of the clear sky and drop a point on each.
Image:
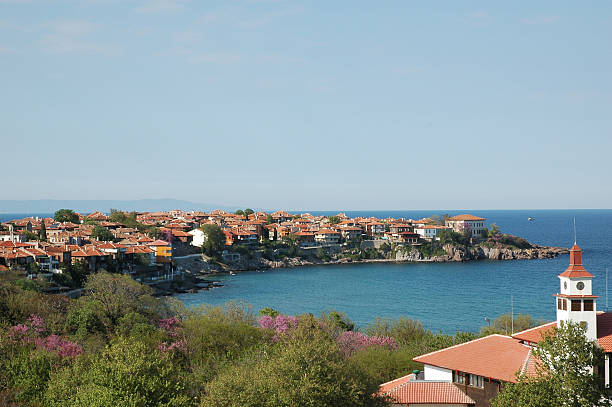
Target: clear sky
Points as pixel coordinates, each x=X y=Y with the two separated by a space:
x=309 y=105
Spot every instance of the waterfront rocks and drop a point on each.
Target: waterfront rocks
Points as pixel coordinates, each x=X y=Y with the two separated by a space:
x=462 y=253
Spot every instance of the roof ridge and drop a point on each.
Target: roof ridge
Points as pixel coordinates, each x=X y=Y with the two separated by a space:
x=535 y=327
x=461 y=344
x=526 y=362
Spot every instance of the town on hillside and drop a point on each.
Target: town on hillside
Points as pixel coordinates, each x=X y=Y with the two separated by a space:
x=149 y=245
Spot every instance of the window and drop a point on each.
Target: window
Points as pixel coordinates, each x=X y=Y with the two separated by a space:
x=476 y=381
x=564 y=305
x=576 y=305
x=559 y=303
x=458 y=377
x=588 y=305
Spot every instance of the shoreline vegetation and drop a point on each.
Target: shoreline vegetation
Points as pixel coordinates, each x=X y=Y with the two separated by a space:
x=117 y=342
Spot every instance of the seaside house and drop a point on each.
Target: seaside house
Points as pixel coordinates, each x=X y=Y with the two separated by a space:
x=163 y=251
x=429 y=232
x=375 y=228
x=327 y=236
x=350 y=233
x=474 y=225
x=480 y=368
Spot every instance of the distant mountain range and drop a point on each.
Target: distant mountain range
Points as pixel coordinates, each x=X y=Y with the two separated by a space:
x=87 y=206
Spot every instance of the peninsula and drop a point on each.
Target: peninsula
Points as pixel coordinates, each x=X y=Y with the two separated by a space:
x=175 y=250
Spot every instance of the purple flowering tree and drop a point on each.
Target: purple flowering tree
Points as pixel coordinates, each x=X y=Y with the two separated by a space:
x=350 y=342
x=33 y=333
x=280 y=325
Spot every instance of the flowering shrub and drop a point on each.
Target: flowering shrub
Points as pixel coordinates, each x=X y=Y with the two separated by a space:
x=173 y=329
x=176 y=345
x=281 y=324
x=55 y=343
x=31 y=334
x=350 y=342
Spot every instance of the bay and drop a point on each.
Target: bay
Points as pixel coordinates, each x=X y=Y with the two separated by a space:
x=446 y=297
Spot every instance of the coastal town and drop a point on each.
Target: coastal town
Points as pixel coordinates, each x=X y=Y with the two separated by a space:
x=158 y=244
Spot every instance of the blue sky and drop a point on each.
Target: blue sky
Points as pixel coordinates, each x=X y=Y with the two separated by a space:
x=308 y=105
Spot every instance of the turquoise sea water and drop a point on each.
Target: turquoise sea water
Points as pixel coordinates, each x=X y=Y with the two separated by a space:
x=446 y=297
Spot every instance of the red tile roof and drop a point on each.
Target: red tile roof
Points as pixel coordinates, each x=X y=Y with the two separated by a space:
x=536 y=334
x=465 y=217
x=496 y=356
x=604 y=331
x=406 y=391
x=575 y=269
x=159 y=243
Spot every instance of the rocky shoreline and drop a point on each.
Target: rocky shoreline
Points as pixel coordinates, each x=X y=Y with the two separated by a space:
x=199 y=272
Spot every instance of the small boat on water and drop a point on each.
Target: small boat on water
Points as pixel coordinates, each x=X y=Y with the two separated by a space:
x=232 y=273
x=530 y=219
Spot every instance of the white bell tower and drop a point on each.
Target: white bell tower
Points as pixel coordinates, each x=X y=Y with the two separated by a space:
x=576 y=301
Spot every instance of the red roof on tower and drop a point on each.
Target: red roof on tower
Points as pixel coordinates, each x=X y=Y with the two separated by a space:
x=575 y=269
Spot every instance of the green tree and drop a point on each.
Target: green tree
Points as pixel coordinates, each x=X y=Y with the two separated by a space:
x=248 y=211
x=269 y=219
x=66 y=215
x=127 y=219
x=333 y=220
x=118 y=295
x=239 y=212
x=29 y=236
x=42 y=233
x=306 y=370
x=214 y=240
x=102 y=233
x=127 y=373
x=564 y=377
x=506 y=326
x=271 y=312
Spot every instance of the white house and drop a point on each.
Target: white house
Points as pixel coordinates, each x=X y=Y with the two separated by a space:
x=429 y=232
x=473 y=224
x=327 y=236
x=198 y=237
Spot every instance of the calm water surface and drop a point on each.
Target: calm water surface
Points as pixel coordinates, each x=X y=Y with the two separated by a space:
x=446 y=297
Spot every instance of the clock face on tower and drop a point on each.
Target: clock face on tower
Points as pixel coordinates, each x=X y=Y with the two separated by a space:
x=580 y=285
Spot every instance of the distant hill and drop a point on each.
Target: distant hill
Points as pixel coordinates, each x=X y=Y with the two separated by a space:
x=87 y=206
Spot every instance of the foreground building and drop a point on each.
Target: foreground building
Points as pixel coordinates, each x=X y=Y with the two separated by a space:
x=479 y=368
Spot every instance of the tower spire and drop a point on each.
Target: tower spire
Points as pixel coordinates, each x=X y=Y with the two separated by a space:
x=574 y=230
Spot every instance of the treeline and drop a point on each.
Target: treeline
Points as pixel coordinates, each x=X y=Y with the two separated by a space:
x=118 y=345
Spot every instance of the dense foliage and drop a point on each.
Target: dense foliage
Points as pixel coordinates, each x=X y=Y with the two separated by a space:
x=118 y=345
x=66 y=215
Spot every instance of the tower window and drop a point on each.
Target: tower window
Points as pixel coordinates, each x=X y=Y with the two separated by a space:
x=559 y=303
x=588 y=305
x=576 y=305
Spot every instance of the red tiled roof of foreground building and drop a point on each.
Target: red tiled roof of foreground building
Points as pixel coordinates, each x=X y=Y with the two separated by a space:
x=535 y=334
x=604 y=331
x=495 y=356
x=405 y=391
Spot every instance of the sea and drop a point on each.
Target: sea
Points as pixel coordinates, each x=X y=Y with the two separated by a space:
x=445 y=297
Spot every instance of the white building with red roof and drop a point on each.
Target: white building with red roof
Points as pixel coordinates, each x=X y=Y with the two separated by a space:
x=474 y=225
x=479 y=368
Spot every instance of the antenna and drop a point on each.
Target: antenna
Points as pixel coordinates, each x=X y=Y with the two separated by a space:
x=606 y=288
x=574 y=230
